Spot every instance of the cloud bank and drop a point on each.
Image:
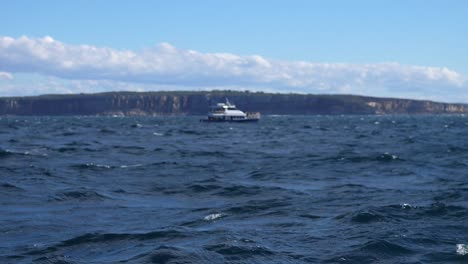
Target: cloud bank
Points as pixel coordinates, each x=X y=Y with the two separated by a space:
x=85 y=67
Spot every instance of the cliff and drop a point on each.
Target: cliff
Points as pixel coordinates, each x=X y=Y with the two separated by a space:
x=197 y=103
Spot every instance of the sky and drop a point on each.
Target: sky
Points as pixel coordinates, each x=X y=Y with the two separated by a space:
x=412 y=49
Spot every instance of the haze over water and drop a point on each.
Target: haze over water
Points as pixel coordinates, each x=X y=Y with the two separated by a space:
x=289 y=189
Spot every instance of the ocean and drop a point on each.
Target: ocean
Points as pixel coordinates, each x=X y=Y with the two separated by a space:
x=288 y=189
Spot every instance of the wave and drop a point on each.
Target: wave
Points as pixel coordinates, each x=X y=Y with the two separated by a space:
x=239 y=190
x=441 y=209
x=310 y=216
x=56 y=260
x=191 y=132
x=104 y=238
x=89 y=238
x=462 y=249
x=385 y=248
x=128 y=147
x=353 y=188
x=92 y=166
x=77 y=143
x=201 y=188
x=66 y=149
x=172 y=254
x=404 y=212
x=6 y=153
x=384 y=157
x=9 y=186
x=353 y=157
x=80 y=195
x=375 y=251
x=367 y=217
x=258 y=206
x=107 y=131
x=199 y=153
x=69 y=134
x=214 y=216
x=239 y=251
x=445 y=257
x=259 y=174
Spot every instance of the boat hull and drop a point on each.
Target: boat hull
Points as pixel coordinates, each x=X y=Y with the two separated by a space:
x=248 y=120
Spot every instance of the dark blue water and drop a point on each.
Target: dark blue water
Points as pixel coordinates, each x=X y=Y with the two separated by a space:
x=314 y=189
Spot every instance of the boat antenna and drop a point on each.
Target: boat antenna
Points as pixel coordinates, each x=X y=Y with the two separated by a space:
x=227 y=101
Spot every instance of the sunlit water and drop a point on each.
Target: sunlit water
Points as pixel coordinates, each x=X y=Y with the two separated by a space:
x=310 y=189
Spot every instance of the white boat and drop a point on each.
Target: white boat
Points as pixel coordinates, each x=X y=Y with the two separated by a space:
x=227 y=112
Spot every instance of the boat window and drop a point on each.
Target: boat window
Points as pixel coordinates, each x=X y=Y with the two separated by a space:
x=218 y=109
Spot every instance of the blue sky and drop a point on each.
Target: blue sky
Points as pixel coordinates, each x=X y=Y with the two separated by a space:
x=410 y=48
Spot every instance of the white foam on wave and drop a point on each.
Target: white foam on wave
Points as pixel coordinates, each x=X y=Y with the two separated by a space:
x=462 y=249
x=130 y=166
x=406 y=206
x=212 y=217
x=98 y=165
x=394 y=157
x=32 y=152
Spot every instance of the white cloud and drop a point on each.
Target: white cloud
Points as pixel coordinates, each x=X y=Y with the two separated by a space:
x=168 y=66
x=6 y=76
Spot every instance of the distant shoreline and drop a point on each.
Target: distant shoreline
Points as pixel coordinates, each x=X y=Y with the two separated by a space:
x=175 y=103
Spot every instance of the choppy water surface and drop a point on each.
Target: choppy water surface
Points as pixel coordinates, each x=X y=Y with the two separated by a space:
x=315 y=189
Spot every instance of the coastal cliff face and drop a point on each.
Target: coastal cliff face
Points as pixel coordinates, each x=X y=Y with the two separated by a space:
x=197 y=103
